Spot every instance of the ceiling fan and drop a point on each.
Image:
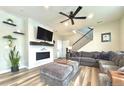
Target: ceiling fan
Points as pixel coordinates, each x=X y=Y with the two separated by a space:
x=72 y=15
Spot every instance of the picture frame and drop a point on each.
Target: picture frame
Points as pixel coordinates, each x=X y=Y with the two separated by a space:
x=106 y=37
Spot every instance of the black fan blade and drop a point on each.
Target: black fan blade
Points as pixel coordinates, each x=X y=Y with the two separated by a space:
x=78 y=9
x=63 y=14
x=84 y=17
x=64 y=20
x=72 y=21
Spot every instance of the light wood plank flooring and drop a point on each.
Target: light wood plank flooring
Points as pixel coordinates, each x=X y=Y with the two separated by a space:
x=86 y=76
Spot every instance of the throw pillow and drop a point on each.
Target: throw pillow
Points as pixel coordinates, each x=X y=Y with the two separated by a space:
x=121 y=69
x=121 y=61
x=75 y=54
x=116 y=60
x=104 y=55
x=111 y=55
x=96 y=55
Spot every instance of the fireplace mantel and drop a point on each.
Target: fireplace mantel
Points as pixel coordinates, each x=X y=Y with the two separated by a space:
x=41 y=43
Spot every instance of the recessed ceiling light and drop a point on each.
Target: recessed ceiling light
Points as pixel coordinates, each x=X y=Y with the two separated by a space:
x=74 y=31
x=46 y=7
x=90 y=16
x=66 y=23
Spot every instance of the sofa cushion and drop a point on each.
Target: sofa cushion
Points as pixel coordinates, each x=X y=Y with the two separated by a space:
x=122 y=51
x=118 y=60
x=75 y=59
x=75 y=54
x=104 y=55
x=121 y=61
x=107 y=68
x=86 y=54
x=96 y=55
x=111 y=55
x=105 y=62
x=87 y=59
x=121 y=69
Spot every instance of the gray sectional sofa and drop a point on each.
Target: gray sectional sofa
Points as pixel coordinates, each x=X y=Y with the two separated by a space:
x=104 y=60
x=116 y=63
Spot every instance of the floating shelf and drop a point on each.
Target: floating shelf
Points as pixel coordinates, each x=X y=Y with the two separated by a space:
x=18 y=33
x=9 y=23
x=40 y=43
x=7 y=37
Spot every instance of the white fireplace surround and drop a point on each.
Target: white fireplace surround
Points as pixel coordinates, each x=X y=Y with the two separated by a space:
x=33 y=49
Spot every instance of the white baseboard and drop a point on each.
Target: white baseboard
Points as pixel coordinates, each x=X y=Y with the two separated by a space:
x=9 y=70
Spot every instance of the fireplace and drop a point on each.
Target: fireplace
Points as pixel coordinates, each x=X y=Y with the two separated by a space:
x=39 y=55
x=42 y=55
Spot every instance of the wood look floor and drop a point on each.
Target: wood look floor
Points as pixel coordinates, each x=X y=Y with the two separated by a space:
x=86 y=76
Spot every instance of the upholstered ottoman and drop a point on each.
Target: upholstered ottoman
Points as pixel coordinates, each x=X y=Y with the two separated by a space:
x=55 y=74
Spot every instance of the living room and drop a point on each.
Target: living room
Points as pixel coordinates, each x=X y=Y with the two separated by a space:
x=25 y=25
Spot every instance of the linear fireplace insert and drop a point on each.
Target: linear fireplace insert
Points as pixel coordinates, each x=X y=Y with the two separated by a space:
x=42 y=55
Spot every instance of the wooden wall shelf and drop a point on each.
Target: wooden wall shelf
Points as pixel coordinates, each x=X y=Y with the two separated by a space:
x=40 y=43
x=18 y=33
x=7 y=37
x=9 y=23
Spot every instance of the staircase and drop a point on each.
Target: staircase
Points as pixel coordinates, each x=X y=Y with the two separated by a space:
x=86 y=37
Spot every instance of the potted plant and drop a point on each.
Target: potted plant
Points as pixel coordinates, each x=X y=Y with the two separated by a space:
x=13 y=54
x=14 y=59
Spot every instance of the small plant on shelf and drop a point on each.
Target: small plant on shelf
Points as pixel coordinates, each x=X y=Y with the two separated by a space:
x=10 y=40
x=9 y=20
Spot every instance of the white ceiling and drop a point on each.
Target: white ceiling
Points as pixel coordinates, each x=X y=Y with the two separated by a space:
x=50 y=17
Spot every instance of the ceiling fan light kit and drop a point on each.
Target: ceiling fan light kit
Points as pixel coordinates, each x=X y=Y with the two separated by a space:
x=90 y=16
x=72 y=15
x=66 y=23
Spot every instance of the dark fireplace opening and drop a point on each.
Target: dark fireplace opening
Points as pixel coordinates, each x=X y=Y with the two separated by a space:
x=42 y=55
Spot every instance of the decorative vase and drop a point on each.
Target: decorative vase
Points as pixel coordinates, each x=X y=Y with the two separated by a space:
x=15 y=69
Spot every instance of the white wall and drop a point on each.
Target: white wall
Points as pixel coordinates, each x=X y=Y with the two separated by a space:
x=61 y=46
x=97 y=45
x=65 y=44
x=57 y=46
x=122 y=34
x=8 y=30
x=29 y=27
